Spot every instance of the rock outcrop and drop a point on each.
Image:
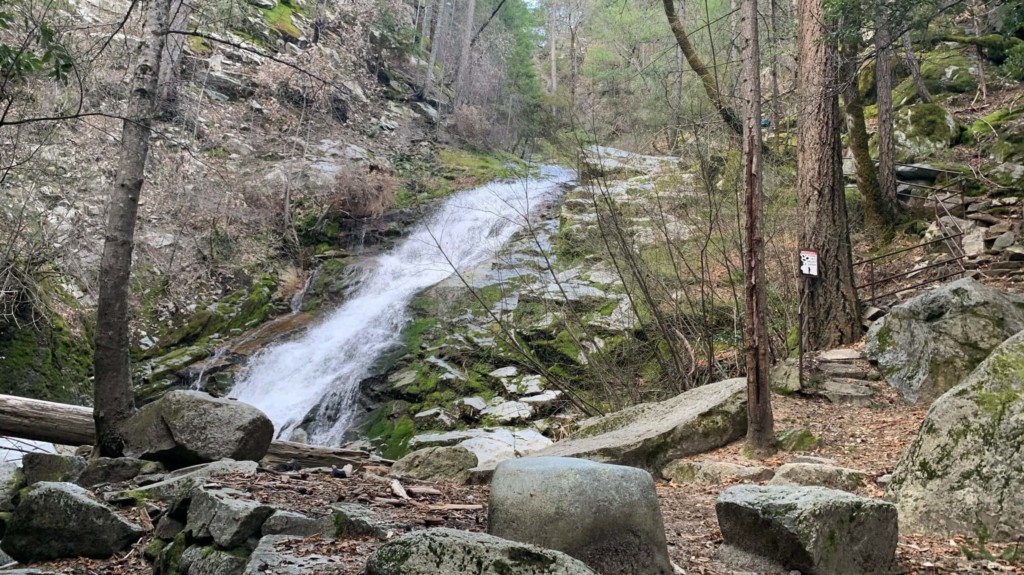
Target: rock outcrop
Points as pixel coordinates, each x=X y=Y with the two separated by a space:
x=963 y=471
x=604 y=515
x=436 y=551
x=55 y=520
x=650 y=435
x=930 y=343
x=189 y=427
x=811 y=529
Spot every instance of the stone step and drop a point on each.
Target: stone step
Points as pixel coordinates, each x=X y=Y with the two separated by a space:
x=846 y=370
x=840 y=355
x=842 y=392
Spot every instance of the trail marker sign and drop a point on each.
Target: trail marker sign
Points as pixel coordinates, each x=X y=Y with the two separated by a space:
x=809 y=263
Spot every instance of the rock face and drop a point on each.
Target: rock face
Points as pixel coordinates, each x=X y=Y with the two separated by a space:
x=810 y=529
x=436 y=463
x=930 y=343
x=650 y=435
x=189 y=427
x=604 y=515
x=963 y=471
x=57 y=520
x=10 y=480
x=436 y=551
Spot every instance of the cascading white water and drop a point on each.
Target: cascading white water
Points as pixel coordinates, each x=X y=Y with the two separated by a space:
x=324 y=366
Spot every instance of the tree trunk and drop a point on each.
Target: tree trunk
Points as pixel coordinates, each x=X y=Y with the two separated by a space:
x=853 y=107
x=728 y=115
x=552 y=29
x=915 y=69
x=830 y=300
x=73 y=425
x=170 y=61
x=886 y=137
x=979 y=29
x=760 y=424
x=425 y=25
x=114 y=397
x=467 y=39
x=776 y=98
x=435 y=46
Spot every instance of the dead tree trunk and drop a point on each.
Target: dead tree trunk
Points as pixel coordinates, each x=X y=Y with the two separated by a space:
x=915 y=69
x=435 y=46
x=729 y=116
x=552 y=31
x=760 y=424
x=830 y=300
x=114 y=398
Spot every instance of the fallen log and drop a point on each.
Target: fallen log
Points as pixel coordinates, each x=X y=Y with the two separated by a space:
x=65 y=424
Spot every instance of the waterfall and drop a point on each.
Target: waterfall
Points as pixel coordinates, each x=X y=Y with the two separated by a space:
x=321 y=370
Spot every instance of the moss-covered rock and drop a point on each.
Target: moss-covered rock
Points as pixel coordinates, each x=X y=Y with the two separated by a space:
x=923 y=130
x=797 y=440
x=963 y=471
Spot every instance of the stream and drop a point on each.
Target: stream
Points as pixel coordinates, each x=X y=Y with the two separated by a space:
x=315 y=377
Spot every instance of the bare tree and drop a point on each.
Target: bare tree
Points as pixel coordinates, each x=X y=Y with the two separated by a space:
x=856 y=129
x=729 y=116
x=760 y=424
x=467 y=44
x=114 y=397
x=552 y=33
x=829 y=300
x=915 y=69
x=174 y=45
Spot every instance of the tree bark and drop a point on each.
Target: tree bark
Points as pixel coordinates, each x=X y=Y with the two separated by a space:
x=776 y=98
x=729 y=116
x=856 y=127
x=886 y=119
x=467 y=39
x=73 y=425
x=170 y=61
x=114 y=398
x=760 y=424
x=435 y=46
x=552 y=29
x=425 y=25
x=915 y=69
x=830 y=300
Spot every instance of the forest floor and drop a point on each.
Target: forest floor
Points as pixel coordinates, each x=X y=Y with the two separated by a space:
x=869 y=438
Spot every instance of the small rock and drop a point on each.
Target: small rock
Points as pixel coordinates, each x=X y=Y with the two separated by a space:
x=182 y=482
x=785 y=377
x=840 y=354
x=812 y=459
x=504 y=372
x=797 y=440
x=884 y=480
x=1004 y=241
x=51 y=467
x=471 y=407
x=526 y=385
x=434 y=551
x=56 y=520
x=810 y=529
x=285 y=555
x=714 y=472
x=109 y=470
x=435 y=418
x=349 y=520
x=436 y=463
x=822 y=475
x=198 y=560
x=509 y=411
x=291 y=523
x=224 y=516
x=544 y=403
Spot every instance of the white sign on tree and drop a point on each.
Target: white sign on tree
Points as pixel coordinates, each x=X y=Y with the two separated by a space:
x=809 y=263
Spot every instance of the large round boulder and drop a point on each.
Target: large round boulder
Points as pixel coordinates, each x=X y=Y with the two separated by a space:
x=604 y=515
x=964 y=470
x=921 y=130
x=185 y=428
x=56 y=520
x=436 y=464
x=928 y=344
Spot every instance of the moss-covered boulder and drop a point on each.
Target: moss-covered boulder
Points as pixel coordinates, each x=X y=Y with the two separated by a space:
x=943 y=72
x=928 y=344
x=45 y=358
x=964 y=470
x=922 y=130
